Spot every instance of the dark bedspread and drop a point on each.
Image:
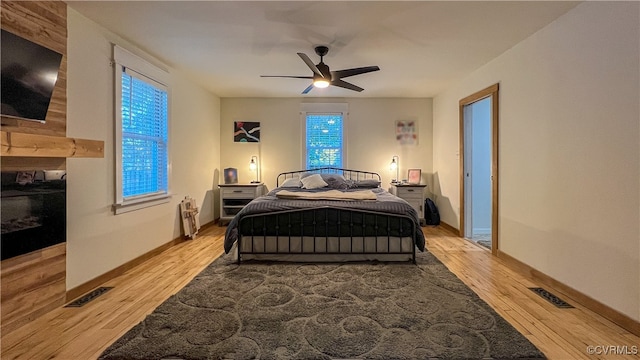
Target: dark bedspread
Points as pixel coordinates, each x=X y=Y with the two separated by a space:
x=385 y=202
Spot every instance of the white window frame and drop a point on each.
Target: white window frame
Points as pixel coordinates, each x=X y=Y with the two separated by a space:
x=323 y=108
x=140 y=68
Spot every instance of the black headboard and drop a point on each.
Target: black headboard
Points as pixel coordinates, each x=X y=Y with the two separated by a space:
x=348 y=174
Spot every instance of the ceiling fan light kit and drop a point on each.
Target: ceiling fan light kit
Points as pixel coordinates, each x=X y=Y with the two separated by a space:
x=323 y=77
x=321 y=83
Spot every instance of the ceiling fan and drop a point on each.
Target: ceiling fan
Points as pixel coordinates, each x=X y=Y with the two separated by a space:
x=323 y=77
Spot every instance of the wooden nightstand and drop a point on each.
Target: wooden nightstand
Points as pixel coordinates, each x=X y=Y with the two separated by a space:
x=233 y=197
x=413 y=194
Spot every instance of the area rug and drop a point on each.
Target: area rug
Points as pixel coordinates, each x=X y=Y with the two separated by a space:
x=324 y=311
x=485 y=243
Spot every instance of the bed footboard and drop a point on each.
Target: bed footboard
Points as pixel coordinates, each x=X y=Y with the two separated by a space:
x=325 y=232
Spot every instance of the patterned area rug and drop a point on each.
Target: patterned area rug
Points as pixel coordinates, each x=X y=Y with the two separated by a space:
x=485 y=243
x=324 y=311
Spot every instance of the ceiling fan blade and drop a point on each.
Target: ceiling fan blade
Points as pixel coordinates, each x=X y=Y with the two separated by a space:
x=308 y=89
x=346 y=85
x=288 y=76
x=339 y=74
x=310 y=64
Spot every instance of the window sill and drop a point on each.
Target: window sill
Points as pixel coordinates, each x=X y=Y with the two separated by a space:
x=138 y=204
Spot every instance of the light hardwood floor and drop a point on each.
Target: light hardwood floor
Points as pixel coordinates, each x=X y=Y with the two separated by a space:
x=83 y=333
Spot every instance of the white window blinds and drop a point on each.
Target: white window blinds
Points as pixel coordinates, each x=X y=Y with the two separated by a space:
x=142 y=133
x=144 y=136
x=324 y=140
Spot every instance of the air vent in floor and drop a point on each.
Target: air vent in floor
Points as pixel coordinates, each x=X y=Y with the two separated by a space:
x=551 y=298
x=81 y=301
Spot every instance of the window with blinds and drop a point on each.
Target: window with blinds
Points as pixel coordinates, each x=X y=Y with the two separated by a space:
x=141 y=133
x=144 y=137
x=324 y=140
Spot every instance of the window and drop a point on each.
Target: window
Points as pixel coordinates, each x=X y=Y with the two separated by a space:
x=324 y=135
x=324 y=140
x=142 y=143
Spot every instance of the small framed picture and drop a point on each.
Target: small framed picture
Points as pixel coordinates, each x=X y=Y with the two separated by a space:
x=230 y=176
x=25 y=177
x=414 y=176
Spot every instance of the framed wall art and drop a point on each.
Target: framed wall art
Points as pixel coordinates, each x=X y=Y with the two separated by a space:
x=406 y=132
x=246 y=131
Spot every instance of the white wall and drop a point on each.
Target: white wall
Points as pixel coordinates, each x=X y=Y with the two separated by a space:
x=97 y=240
x=569 y=151
x=370 y=136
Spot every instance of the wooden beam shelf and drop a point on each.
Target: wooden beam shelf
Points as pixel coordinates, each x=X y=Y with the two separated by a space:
x=34 y=145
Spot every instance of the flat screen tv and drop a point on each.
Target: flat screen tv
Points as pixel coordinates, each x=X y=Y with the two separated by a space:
x=29 y=73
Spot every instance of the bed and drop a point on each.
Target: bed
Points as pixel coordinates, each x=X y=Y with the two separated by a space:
x=349 y=218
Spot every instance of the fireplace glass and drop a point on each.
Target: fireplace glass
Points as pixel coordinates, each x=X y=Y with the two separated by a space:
x=33 y=211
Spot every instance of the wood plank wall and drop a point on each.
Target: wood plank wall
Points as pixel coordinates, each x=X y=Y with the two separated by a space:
x=34 y=283
x=44 y=23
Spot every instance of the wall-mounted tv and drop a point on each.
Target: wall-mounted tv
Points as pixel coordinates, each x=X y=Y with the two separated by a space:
x=29 y=73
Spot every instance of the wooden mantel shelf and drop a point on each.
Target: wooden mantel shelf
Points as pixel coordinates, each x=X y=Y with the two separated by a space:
x=33 y=145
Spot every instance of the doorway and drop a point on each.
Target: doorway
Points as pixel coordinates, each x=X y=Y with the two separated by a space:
x=479 y=168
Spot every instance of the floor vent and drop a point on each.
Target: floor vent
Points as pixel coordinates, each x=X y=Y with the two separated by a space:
x=81 y=301
x=552 y=298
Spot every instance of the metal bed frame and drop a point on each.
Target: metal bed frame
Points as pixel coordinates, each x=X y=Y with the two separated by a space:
x=328 y=230
x=355 y=175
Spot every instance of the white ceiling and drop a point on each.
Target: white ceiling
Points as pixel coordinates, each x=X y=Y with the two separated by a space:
x=421 y=47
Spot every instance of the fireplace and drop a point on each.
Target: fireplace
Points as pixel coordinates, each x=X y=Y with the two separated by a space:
x=33 y=211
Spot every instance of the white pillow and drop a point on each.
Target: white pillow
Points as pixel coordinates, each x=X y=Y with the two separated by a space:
x=313 y=182
x=292 y=183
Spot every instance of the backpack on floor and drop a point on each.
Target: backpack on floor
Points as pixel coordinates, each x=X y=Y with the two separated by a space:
x=431 y=214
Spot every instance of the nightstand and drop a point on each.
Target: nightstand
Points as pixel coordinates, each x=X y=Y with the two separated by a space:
x=233 y=197
x=413 y=194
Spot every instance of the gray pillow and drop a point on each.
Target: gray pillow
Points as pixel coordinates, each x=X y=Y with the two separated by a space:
x=369 y=183
x=337 y=181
